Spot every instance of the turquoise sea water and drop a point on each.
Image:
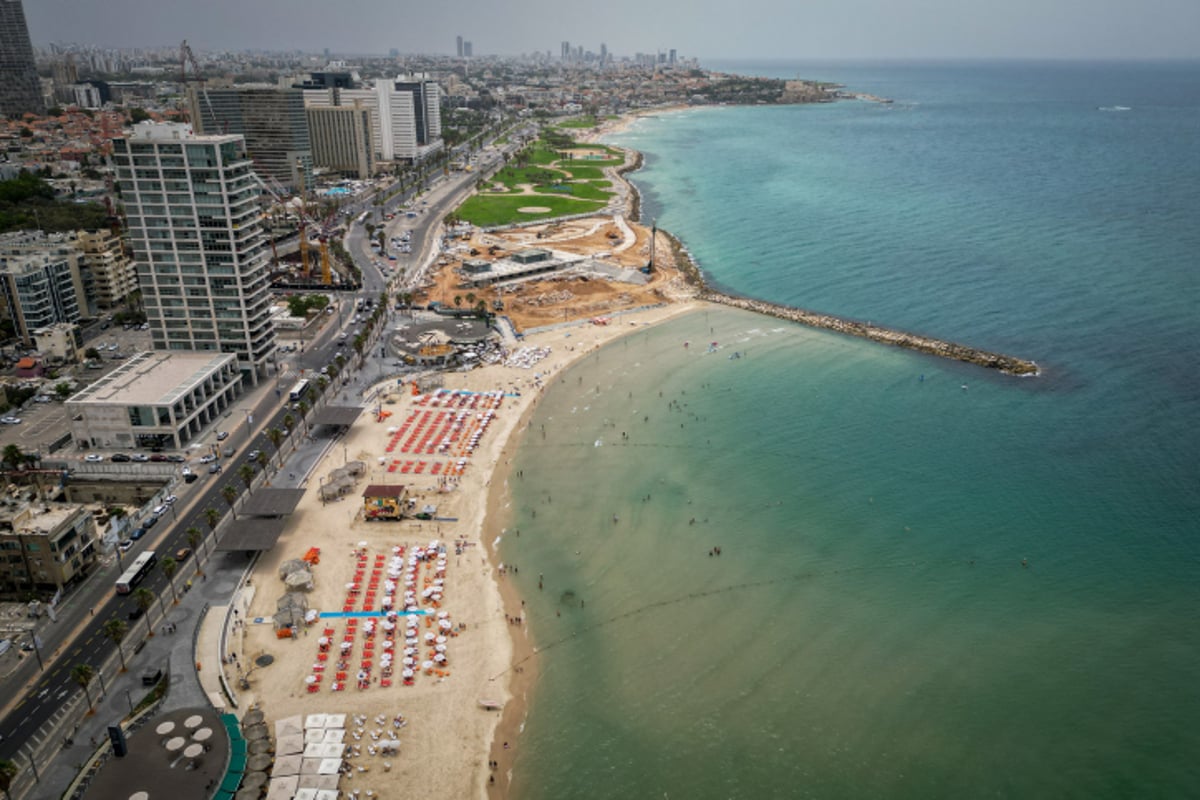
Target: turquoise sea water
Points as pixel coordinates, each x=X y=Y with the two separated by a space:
x=924 y=590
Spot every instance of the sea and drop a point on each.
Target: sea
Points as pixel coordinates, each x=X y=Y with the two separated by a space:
x=933 y=580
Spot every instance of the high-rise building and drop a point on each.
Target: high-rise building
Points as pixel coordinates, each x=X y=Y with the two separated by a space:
x=406 y=116
x=603 y=53
x=272 y=120
x=41 y=282
x=458 y=44
x=20 y=87
x=566 y=51
x=341 y=139
x=196 y=230
x=468 y=49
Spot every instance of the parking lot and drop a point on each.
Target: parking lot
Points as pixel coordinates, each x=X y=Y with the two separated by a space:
x=45 y=422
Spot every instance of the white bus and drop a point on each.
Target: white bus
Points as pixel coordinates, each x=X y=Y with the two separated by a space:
x=137 y=570
x=298 y=390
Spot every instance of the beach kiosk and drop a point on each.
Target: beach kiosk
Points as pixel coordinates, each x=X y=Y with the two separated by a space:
x=384 y=501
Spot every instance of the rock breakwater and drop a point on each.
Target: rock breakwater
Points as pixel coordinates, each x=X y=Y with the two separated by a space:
x=910 y=341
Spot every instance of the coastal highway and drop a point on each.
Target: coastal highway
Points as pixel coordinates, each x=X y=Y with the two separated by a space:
x=89 y=645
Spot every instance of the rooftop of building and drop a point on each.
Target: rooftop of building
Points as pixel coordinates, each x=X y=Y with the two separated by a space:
x=37 y=518
x=153 y=378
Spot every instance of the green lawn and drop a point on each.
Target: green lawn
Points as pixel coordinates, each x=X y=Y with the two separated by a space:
x=579 y=122
x=584 y=170
x=487 y=210
x=512 y=177
x=584 y=191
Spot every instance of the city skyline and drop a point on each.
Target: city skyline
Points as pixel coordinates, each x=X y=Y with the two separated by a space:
x=825 y=29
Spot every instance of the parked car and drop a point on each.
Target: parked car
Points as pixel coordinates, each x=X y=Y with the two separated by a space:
x=253 y=455
x=137 y=534
x=141 y=458
x=119 y=457
x=10 y=420
x=169 y=500
x=182 y=554
x=175 y=458
x=222 y=436
x=213 y=469
x=158 y=510
x=207 y=458
x=93 y=458
x=151 y=521
x=125 y=545
x=158 y=458
x=136 y=613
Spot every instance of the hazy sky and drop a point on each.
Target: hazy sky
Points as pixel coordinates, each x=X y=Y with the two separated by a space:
x=815 y=29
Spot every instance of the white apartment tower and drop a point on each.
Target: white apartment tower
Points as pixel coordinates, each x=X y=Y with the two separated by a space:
x=406 y=116
x=194 y=222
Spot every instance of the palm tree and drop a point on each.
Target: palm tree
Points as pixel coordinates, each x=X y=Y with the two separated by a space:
x=83 y=674
x=230 y=493
x=169 y=567
x=275 y=437
x=12 y=456
x=289 y=422
x=246 y=473
x=470 y=298
x=195 y=538
x=8 y=771
x=115 y=630
x=144 y=598
x=457 y=300
x=263 y=459
x=213 y=518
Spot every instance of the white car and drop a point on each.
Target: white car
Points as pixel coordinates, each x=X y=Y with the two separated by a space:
x=159 y=509
x=93 y=458
x=169 y=500
x=11 y=420
x=208 y=458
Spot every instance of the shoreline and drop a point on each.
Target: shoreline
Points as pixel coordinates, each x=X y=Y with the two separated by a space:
x=522 y=671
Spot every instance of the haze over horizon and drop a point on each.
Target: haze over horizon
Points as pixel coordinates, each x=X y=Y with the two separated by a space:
x=760 y=29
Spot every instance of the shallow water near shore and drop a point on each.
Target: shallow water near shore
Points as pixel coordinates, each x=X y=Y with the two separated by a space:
x=933 y=581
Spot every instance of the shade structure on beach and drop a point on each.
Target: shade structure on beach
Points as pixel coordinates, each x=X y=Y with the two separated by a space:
x=408 y=673
x=314 y=721
x=253 y=717
x=313 y=750
x=314 y=736
x=335 y=720
x=282 y=788
x=310 y=679
x=164 y=728
x=334 y=735
x=175 y=744
x=202 y=734
x=193 y=721
x=327 y=794
x=253 y=780
x=194 y=749
x=258 y=746
x=289 y=745
x=329 y=766
x=309 y=766
x=288 y=726
x=318 y=782
x=259 y=762
x=305 y=793
x=286 y=765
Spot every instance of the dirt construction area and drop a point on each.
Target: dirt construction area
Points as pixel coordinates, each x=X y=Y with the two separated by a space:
x=549 y=300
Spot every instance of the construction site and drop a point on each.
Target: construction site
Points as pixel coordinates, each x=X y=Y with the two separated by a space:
x=603 y=265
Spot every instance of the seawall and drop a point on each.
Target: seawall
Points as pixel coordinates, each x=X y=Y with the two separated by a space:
x=911 y=341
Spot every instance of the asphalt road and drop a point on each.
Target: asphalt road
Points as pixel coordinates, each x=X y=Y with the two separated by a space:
x=98 y=595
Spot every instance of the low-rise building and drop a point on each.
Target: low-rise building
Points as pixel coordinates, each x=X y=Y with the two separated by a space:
x=44 y=547
x=155 y=400
x=60 y=343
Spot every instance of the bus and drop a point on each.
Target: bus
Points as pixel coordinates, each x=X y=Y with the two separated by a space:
x=137 y=570
x=298 y=390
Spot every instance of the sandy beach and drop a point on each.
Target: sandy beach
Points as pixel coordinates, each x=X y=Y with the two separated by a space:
x=447 y=734
x=448 y=741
